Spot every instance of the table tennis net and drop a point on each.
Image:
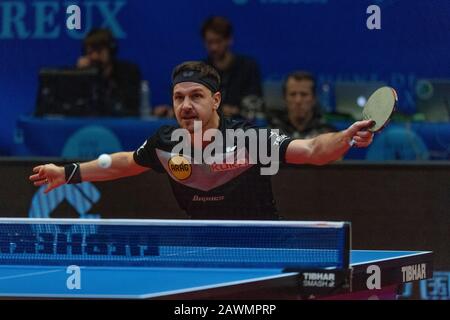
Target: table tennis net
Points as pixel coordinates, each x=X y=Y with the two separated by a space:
x=175 y=243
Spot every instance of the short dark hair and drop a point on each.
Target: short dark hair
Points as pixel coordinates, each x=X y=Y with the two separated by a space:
x=204 y=69
x=100 y=38
x=219 y=25
x=299 y=76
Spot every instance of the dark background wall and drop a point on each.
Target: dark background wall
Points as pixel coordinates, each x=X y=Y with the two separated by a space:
x=391 y=206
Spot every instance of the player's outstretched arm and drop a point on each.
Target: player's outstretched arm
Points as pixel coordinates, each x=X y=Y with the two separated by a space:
x=328 y=147
x=122 y=165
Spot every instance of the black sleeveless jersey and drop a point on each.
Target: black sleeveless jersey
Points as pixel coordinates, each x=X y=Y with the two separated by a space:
x=218 y=190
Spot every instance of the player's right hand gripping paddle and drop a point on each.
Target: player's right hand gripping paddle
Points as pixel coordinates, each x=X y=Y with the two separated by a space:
x=379 y=107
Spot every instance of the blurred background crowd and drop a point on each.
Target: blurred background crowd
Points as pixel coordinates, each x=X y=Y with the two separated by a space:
x=304 y=67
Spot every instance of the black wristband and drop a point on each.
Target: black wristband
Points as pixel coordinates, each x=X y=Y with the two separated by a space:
x=72 y=172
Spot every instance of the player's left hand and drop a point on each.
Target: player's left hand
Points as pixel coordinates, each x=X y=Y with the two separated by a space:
x=359 y=134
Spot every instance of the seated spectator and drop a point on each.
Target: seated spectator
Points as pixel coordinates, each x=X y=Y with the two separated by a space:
x=303 y=118
x=121 y=90
x=240 y=75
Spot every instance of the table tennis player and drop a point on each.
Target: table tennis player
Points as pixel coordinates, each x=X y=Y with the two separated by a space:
x=209 y=191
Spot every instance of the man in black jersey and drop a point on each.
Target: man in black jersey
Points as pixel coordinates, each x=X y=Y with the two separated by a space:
x=210 y=179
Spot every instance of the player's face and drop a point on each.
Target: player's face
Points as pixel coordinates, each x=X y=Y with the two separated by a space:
x=194 y=102
x=216 y=45
x=300 y=98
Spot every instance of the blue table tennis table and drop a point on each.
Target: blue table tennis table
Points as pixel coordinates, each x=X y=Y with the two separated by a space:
x=29 y=275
